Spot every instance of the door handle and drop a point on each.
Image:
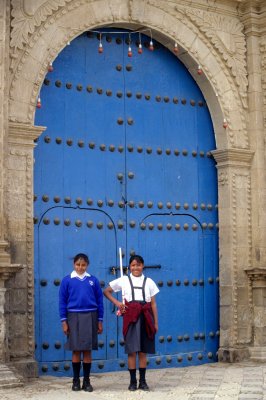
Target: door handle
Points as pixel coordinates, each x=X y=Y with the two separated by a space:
x=113 y=270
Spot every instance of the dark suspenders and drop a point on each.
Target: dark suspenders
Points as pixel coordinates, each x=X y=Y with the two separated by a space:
x=137 y=287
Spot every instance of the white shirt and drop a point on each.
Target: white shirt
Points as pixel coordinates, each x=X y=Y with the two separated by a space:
x=123 y=283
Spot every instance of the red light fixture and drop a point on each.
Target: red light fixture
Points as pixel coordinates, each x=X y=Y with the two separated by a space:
x=176 y=49
x=39 y=104
x=199 y=70
x=140 y=49
x=128 y=41
x=225 y=124
x=50 y=67
x=100 y=48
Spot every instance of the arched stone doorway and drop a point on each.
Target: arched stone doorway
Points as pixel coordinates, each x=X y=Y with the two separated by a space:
x=223 y=83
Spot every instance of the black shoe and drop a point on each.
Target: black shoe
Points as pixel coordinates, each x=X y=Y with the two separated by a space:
x=143 y=386
x=86 y=386
x=76 y=385
x=132 y=386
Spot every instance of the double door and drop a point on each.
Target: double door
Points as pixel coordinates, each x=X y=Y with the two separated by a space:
x=125 y=162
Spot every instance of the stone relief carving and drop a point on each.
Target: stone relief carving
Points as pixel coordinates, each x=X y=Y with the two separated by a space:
x=30 y=7
x=29 y=240
x=226 y=34
x=240 y=180
x=263 y=78
x=27 y=16
x=223 y=178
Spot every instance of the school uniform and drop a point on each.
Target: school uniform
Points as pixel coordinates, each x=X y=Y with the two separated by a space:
x=138 y=324
x=81 y=305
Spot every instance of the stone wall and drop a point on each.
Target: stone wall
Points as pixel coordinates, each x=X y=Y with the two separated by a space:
x=228 y=40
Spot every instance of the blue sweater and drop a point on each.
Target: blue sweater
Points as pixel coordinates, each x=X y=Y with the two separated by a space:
x=80 y=295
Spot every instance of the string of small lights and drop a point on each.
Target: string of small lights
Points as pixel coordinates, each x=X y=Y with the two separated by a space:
x=101 y=35
x=129 y=34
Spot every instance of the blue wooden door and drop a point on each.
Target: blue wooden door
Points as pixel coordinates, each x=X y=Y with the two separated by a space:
x=125 y=162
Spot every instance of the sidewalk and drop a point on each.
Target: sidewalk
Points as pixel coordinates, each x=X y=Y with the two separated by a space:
x=220 y=381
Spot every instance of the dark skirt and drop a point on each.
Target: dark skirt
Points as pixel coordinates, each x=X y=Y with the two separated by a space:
x=137 y=339
x=83 y=331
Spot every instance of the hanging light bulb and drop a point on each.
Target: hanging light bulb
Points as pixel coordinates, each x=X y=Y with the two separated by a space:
x=39 y=104
x=68 y=43
x=140 y=49
x=129 y=51
x=151 y=47
x=199 y=70
x=225 y=124
x=100 y=48
x=176 y=49
x=50 y=67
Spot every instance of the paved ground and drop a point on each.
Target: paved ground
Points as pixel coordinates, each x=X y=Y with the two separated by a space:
x=212 y=381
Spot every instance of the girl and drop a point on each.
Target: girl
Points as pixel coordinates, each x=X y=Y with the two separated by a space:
x=81 y=313
x=140 y=319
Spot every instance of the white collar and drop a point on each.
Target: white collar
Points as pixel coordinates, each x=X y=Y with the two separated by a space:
x=141 y=277
x=75 y=275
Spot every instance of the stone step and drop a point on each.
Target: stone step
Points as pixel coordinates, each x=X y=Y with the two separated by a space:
x=9 y=378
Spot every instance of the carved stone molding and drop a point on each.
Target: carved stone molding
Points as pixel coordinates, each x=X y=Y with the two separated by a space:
x=234 y=175
x=240 y=180
x=257 y=275
x=226 y=35
x=21 y=143
x=27 y=232
x=233 y=157
x=27 y=19
x=7 y=270
x=257 y=283
x=263 y=77
x=24 y=134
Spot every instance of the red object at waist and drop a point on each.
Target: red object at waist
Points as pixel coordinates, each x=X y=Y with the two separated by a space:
x=132 y=314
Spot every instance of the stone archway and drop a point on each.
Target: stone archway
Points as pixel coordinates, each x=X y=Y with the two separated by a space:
x=224 y=79
x=39 y=34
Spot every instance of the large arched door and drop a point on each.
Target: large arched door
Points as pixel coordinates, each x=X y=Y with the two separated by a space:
x=125 y=162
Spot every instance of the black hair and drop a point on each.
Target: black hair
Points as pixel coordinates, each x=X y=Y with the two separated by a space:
x=136 y=257
x=83 y=256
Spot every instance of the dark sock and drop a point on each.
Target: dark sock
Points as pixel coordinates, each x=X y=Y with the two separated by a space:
x=76 y=369
x=142 y=374
x=86 y=370
x=133 y=378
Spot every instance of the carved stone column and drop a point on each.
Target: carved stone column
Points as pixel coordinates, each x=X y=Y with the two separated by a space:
x=6 y=272
x=235 y=251
x=4 y=9
x=257 y=283
x=19 y=211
